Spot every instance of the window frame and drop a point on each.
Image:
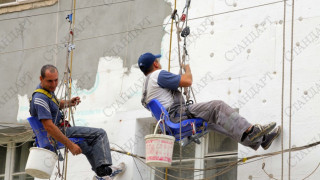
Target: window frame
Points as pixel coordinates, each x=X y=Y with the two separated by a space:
x=8 y=3
x=10 y=160
x=17 y=2
x=219 y=154
x=201 y=153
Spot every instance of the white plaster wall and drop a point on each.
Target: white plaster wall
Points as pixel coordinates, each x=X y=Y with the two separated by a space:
x=248 y=74
x=245 y=75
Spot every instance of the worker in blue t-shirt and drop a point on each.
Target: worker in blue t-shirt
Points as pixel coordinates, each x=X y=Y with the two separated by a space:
x=46 y=107
x=163 y=86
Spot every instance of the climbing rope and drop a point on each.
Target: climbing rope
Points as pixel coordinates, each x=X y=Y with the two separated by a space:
x=68 y=74
x=180 y=117
x=66 y=90
x=291 y=74
x=312 y=172
x=226 y=166
x=282 y=96
x=184 y=33
x=172 y=18
x=282 y=88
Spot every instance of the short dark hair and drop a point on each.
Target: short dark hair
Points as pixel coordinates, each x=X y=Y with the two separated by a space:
x=150 y=69
x=46 y=67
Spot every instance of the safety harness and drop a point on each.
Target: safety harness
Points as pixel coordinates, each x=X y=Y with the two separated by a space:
x=144 y=95
x=50 y=96
x=62 y=122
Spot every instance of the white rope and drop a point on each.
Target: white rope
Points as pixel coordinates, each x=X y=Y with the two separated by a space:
x=282 y=89
x=57 y=30
x=291 y=74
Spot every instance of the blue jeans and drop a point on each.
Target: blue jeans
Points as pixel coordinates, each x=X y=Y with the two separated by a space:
x=95 y=145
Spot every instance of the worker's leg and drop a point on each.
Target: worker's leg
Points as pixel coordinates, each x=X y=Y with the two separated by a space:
x=221 y=114
x=222 y=118
x=246 y=142
x=95 y=146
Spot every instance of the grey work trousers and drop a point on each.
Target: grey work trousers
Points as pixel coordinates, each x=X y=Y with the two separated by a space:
x=221 y=118
x=95 y=145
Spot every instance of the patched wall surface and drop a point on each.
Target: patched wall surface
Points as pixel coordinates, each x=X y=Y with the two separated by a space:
x=236 y=55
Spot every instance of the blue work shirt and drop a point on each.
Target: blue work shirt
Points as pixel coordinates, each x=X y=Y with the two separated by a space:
x=43 y=107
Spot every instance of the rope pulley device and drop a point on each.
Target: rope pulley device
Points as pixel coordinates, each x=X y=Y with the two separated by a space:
x=69 y=18
x=185 y=32
x=189 y=102
x=71 y=47
x=183 y=17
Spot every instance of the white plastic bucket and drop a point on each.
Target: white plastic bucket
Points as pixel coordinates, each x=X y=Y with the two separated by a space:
x=41 y=163
x=159 y=149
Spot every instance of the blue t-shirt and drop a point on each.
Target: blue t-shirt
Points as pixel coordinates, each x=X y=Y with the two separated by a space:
x=168 y=80
x=43 y=107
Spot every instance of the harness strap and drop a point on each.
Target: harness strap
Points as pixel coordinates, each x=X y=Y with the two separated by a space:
x=189 y=114
x=50 y=96
x=144 y=95
x=186 y=112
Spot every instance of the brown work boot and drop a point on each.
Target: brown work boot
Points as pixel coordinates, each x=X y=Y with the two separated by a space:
x=259 y=131
x=268 y=138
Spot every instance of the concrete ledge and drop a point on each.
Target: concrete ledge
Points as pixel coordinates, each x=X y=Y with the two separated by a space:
x=25 y=5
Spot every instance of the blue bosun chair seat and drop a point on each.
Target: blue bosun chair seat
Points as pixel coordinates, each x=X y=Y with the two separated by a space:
x=191 y=131
x=42 y=140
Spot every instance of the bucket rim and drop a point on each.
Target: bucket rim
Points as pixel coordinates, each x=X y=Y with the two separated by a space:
x=159 y=136
x=43 y=149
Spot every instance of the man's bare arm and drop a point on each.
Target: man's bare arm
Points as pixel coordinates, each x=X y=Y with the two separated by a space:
x=55 y=132
x=63 y=104
x=74 y=101
x=186 y=78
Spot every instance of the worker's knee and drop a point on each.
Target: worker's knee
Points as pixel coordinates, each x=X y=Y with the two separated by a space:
x=216 y=103
x=101 y=132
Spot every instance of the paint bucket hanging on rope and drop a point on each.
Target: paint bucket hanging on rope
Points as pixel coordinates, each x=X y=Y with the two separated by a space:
x=159 y=149
x=41 y=163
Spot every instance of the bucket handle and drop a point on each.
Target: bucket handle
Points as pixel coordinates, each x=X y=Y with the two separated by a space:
x=164 y=125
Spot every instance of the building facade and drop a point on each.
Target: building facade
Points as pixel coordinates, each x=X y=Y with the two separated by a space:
x=237 y=50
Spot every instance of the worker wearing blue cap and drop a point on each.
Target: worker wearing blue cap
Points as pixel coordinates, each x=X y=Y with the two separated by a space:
x=163 y=86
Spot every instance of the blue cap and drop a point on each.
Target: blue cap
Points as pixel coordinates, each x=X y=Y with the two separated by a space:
x=146 y=60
